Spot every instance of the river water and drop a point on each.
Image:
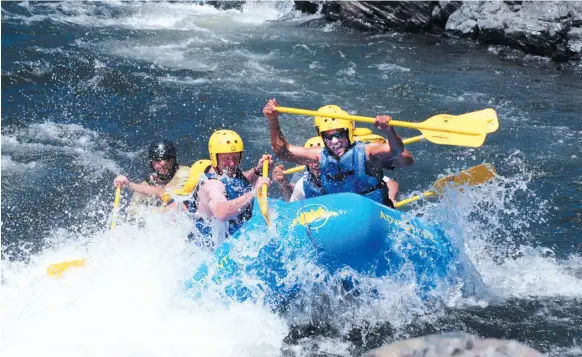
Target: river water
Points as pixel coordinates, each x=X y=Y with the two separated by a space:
x=85 y=87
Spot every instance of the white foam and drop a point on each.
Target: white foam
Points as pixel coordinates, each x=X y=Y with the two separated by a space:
x=128 y=300
x=165 y=15
x=391 y=67
x=12 y=167
x=494 y=233
x=40 y=142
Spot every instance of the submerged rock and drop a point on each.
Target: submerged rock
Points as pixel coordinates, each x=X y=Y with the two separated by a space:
x=552 y=29
x=454 y=344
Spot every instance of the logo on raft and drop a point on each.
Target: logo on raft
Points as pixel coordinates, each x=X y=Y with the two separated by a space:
x=313 y=216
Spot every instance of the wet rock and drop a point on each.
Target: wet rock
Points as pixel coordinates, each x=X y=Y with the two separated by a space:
x=550 y=29
x=454 y=344
x=441 y=12
x=226 y=5
x=539 y=28
x=413 y=16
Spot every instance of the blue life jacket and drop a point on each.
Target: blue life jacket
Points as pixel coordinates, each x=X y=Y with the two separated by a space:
x=235 y=187
x=311 y=186
x=349 y=174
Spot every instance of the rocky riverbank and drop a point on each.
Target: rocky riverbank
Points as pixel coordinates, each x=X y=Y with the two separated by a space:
x=550 y=29
x=454 y=344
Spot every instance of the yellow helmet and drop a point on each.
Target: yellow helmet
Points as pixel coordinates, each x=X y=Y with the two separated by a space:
x=336 y=124
x=224 y=142
x=362 y=131
x=371 y=138
x=315 y=141
x=317 y=121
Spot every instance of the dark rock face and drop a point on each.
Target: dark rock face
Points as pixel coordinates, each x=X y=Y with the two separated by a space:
x=454 y=344
x=413 y=16
x=552 y=29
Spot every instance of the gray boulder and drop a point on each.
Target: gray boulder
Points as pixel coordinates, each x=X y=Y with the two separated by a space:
x=405 y=16
x=539 y=28
x=453 y=344
x=550 y=29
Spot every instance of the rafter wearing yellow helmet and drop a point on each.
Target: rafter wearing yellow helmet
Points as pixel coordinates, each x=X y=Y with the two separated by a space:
x=345 y=165
x=223 y=199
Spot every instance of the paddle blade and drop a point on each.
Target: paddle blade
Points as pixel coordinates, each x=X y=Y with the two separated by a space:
x=486 y=119
x=57 y=269
x=413 y=140
x=455 y=139
x=474 y=176
x=468 y=129
x=479 y=122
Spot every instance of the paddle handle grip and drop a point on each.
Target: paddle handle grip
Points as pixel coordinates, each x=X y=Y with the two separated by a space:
x=370 y=120
x=414 y=198
x=115 y=205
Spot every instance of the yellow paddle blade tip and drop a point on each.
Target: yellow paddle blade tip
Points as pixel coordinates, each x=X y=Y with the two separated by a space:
x=474 y=176
x=57 y=269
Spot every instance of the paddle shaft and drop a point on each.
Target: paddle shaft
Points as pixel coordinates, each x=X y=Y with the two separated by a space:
x=414 y=198
x=370 y=120
x=262 y=197
x=115 y=205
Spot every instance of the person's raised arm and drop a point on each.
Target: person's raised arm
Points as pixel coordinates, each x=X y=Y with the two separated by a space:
x=385 y=154
x=281 y=147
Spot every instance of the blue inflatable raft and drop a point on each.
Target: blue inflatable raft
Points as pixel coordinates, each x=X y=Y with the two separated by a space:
x=337 y=232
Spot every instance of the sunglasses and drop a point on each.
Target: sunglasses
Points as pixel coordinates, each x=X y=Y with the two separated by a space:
x=338 y=135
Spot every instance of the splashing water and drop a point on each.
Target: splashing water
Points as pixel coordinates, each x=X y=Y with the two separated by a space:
x=78 y=109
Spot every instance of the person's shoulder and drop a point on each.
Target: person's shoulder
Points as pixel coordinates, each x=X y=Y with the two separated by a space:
x=213 y=184
x=183 y=169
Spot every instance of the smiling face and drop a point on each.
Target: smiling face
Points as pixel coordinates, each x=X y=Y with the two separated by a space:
x=163 y=167
x=314 y=169
x=337 y=141
x=228 y=163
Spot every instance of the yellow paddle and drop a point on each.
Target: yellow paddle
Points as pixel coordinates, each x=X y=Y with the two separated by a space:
x=262 y=195
x=115 y=205
x=474 y=176
x=57 y=269
x=296 y=169
x=469 y=129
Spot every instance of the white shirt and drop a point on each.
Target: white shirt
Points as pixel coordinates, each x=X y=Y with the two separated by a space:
x=299 y=194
